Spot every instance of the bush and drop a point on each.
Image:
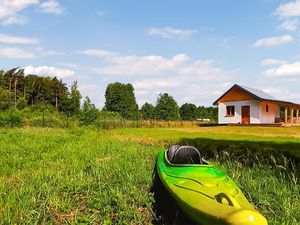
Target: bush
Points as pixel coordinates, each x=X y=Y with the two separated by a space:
x=48 y=120
x=21 y=103
x=88 y=113
x=43 y=115
x=11 y=118
x=4 y=99
x=108 y=120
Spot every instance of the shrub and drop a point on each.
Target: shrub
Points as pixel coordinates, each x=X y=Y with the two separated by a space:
x=43 y=115
x=109 y=120
x=11 y=118
x=21 y=103
x=88 y=113
x=4 y=99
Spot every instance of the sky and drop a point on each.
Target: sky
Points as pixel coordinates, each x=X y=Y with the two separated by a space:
x=194 y=49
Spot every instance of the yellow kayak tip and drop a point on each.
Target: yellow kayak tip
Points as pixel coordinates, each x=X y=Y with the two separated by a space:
x=246 y=217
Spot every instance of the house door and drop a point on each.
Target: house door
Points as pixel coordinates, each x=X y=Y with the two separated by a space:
x=246 y=114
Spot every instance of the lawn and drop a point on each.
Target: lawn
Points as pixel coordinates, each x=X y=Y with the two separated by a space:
x=283 y=139
x=56 y=176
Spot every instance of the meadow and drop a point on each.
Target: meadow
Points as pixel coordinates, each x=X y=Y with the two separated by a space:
x=96 y=176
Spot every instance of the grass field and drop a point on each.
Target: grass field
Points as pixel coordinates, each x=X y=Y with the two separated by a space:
x=55 y=176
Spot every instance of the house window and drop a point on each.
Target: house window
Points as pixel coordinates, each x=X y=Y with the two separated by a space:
x=230 y=110
x=267 y=108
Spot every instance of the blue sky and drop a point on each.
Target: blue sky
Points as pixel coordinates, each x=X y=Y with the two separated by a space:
x=194 y=50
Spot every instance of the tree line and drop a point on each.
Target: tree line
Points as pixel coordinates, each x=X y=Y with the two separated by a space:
x=20 y=91
x=120 y=98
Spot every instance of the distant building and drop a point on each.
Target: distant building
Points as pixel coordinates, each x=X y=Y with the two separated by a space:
x=203 y=119
x=244 y=105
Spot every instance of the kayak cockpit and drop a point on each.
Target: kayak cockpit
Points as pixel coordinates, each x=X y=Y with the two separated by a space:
x=184 y=155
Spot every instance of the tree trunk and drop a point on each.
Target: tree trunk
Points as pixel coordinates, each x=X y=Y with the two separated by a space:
x=16 y=82
x=56 y=101
x=25 y=91
x=9 y=87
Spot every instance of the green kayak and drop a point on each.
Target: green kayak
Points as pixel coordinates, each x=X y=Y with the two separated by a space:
x=204 y=192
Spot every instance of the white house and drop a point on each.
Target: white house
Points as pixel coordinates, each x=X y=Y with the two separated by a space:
x=244 y=105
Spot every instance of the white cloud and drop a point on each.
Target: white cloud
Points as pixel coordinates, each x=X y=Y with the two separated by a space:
x=289 y=25
x=284 y=70
x=283 y=93
x=290 y=9
x=273 y=41
x=268 y=62
x=179 y=75
x=49 y=71
x=187 y=80
x=16 y=53
x=276 y=92
x=9 y=39
x=169 y=32
x=40 y=52
x=10 y=8
x=69 y=65
x=15 y=20
x=52 y=6
x=91 y=90
x=155 y=65
x=98 y=53
x=201 y=93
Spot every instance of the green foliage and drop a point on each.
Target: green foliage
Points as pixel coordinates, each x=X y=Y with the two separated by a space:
x=147 y=111
x=120 y=98
x=11 y=118
x=35 y=89
x=21 y=103
x=44 y=115
x=166 y=108
x=109 y=120
x=207 y=113
x=4 y=99
x=75 y=97
x=188 y=111
x=105 y=115
x=88 y=113
x=71 y=101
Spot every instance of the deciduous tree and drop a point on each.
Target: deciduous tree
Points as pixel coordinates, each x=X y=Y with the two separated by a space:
x=188 y=111
x=166 y=108
x=147 y=111
x=120 y=98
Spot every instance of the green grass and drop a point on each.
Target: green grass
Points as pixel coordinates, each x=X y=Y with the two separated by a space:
x=56 y=176
x=59 y=176
x=288 y=139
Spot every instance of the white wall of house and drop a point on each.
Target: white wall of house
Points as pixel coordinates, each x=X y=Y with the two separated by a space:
x=269 y=117
x=237 y=118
